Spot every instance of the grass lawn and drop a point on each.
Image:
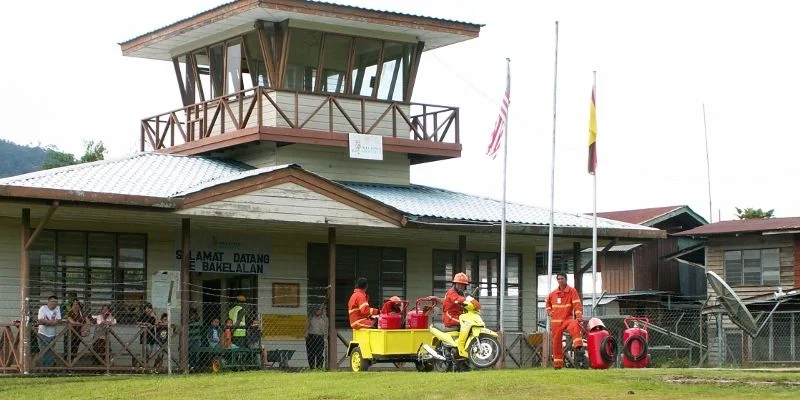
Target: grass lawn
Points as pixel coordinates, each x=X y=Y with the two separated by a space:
x=659 y=384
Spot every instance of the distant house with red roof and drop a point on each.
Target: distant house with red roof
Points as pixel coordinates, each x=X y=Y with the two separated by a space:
x=753 y=256
x=757 y=258
x=643 y=267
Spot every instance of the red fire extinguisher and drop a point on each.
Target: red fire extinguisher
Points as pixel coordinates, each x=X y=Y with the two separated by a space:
x=634 y=343
x=601 y=345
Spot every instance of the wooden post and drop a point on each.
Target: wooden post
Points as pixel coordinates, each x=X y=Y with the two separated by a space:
x=576 y=268
x=24 y=273
x=333 y=354
x=462 y=253
x=184 y=344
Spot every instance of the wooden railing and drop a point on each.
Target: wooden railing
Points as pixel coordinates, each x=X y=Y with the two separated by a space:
x=115 y=348
x=261 y=106
x=10 y=359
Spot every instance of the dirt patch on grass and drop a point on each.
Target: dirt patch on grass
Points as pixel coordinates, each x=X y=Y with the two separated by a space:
x=697 y=380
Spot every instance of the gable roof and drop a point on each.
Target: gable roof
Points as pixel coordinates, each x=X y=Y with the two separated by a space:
x=671 y=218
x=765 y=226
x=640 y=216
x=171 y=182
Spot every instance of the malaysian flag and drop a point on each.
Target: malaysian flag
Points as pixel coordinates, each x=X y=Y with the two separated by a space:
x=500 y=125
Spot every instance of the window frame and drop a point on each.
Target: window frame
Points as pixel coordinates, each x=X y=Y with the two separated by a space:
x=60 y=285
x=345 y=284
x=475 y=258
x=208 y=93
x=741 y=281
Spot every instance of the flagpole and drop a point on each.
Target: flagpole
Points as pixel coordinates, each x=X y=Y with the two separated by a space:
x=552 y=188
x=503 y=219
x=594 y=214
x=708 y=168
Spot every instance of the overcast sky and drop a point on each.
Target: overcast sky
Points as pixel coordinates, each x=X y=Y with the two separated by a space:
x=64 y=79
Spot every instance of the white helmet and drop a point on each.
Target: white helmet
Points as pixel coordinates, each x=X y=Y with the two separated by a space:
x=595 y=324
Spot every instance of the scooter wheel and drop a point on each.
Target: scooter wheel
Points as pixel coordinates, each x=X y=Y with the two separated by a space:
x=484 y=352
x=423 y=366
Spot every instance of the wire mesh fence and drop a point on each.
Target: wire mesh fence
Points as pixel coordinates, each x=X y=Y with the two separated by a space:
x=226 y=332
x=218 y=337
x=775 y=345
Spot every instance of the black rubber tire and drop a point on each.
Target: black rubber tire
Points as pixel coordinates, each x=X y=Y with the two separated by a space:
x=487 y=343
x=607 y=354
x=423 y=366
x=627 y=348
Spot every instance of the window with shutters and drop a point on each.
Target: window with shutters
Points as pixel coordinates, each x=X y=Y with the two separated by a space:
x=97 y=268
x=483 y=269
x=753 y=267
x=384 y=267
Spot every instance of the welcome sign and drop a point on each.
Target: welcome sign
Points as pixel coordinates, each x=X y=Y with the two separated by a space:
x=368 y=147
x=228 y=254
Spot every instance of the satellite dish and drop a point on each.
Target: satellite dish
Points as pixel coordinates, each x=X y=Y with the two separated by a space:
x=737 y=311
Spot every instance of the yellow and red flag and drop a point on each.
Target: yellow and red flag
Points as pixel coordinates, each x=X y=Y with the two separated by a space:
x=592 y=135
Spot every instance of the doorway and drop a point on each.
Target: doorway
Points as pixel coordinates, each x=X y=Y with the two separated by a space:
x=212 y=300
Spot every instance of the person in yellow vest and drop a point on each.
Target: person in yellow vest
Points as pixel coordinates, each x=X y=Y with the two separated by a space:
x=238 y=315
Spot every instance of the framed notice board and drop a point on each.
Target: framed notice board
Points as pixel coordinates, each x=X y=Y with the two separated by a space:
x=285 y=294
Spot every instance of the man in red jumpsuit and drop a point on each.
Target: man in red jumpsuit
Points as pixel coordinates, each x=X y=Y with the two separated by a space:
x=361 y=314
x=561 y=305
x=453 y=307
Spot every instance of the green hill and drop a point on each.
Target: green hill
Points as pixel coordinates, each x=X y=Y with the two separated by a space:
x=16 y=159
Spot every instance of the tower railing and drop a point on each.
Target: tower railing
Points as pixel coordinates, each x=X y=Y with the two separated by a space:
x=264 y=107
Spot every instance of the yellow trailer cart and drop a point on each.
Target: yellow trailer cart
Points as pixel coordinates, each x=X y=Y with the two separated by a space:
x=371 y=346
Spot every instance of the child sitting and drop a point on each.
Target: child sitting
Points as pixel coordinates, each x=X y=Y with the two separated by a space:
x=227 y=335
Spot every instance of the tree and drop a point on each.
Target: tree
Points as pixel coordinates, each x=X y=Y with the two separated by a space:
x=94 y=151
x=754 y=213
x=55 y=158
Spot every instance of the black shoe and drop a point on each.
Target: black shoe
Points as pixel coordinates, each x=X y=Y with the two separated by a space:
x=580 y=358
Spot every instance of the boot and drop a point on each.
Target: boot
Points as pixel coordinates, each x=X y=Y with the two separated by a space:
x=580 y=358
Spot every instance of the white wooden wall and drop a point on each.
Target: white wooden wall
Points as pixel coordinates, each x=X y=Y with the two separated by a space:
x=10 y=241
x=287 y=202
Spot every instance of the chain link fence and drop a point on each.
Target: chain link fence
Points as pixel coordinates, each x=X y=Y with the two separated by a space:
x=777 y=343
x=235 y=334
x=123 y=337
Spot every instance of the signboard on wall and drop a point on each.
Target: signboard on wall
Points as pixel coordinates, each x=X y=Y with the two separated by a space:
x=228 y=253
x=368 y=147
x=164 y=289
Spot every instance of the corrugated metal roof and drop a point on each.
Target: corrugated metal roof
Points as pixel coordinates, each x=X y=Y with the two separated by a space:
x=395 y=13
x=639 y=216
x=744 y=225
x=209 y=11
x=620 y=248
x=425 y=201
x=174 y=176
x=143 y=174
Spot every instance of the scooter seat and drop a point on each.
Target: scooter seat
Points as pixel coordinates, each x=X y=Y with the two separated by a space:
x=443 y=328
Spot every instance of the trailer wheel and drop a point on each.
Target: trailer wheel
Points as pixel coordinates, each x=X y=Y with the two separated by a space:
x=216 y=365
x=357 y=361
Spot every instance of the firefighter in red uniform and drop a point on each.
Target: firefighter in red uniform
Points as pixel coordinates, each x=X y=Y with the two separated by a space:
x=361 y=314
x=561 y=304
x=453 y=306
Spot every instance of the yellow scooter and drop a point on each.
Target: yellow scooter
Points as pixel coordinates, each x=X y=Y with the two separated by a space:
x=481 y=348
